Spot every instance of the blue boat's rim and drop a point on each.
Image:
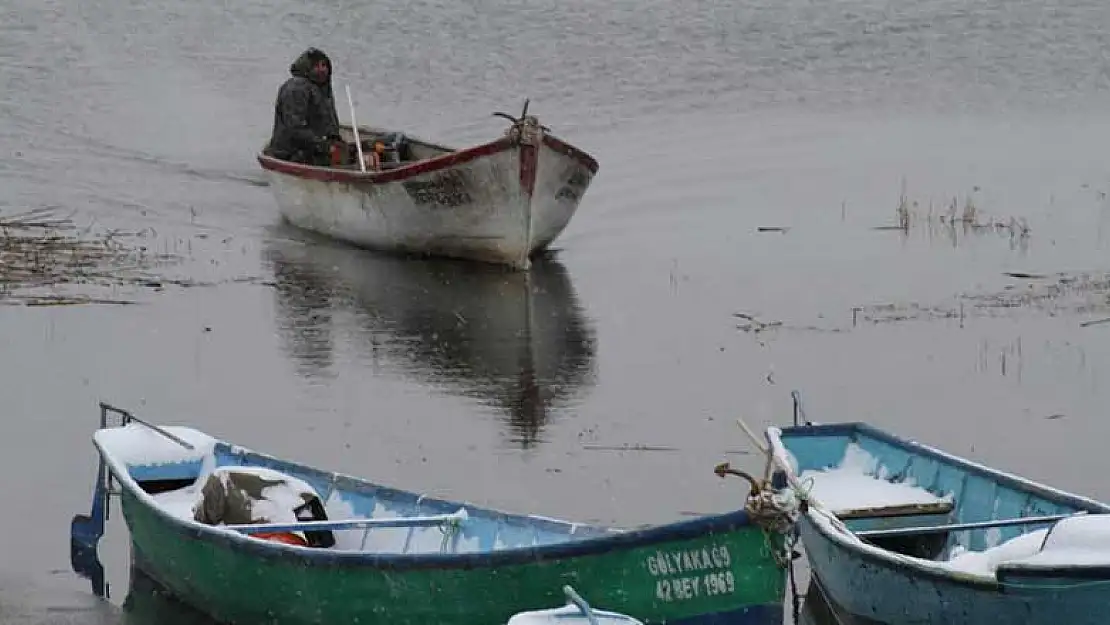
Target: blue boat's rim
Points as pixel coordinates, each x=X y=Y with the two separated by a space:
x=894 y=561
x=620 y=539
x=928 y=568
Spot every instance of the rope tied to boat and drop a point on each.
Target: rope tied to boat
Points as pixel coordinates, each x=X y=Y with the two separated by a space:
x=526 y=129
x=775 y=511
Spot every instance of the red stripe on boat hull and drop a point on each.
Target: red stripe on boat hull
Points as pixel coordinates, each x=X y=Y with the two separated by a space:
x=453 y=159
x=565 y=148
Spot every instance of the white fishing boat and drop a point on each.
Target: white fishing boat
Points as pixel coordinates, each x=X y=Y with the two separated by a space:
x=500 y=201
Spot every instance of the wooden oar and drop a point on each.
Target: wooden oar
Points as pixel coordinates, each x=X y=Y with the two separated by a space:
x=963 y=527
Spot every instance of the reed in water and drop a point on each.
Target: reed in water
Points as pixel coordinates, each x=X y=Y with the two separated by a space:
x=40 y=249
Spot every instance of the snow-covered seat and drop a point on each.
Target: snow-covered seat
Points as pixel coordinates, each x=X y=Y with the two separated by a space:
x=850 y=494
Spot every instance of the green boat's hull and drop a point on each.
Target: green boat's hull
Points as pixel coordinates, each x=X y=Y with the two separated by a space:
x=727 y=577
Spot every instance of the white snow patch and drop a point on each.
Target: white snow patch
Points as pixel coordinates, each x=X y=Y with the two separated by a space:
x=390 y=539
x=568 y=615
x=986 y=562
x=178 y=503
x=1082 y=540
x=1084 y=543
x=340 y=509
x=136 y=444
x=278 y=501
x=276 y=506
x=858 y=482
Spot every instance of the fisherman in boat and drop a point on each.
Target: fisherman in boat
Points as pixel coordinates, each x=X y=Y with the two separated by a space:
x=306 y=125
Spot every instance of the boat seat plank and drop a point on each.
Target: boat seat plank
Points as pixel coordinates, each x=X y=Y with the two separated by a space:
x=851 y=495
x=912 y=509
x=856 y=488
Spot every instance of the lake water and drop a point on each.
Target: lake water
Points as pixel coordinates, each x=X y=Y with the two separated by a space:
x=710 y=120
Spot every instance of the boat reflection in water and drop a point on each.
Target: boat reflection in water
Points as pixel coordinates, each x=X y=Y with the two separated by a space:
x=148 y=603
x=817 y=610
x=516 y=341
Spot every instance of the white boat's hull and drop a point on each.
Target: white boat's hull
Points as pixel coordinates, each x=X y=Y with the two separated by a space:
x=500 y=202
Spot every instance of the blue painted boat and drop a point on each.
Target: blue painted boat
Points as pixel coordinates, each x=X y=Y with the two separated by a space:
x=899 y=532
x=313 y=546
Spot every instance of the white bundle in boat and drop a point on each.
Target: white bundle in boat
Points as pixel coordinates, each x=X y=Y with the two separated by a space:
x=246 y=495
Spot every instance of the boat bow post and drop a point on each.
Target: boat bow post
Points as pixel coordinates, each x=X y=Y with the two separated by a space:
x=526 y=133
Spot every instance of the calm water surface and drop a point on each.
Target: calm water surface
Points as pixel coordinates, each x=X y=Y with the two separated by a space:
x=711 y=120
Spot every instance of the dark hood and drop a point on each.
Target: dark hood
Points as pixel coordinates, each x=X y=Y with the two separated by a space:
x=303 y=65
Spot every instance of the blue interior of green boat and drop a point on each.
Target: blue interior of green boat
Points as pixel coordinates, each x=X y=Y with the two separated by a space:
x=349 y=498
x=978 y=493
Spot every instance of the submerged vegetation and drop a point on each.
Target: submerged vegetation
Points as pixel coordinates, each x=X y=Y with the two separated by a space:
x=1054 y=294
x=1058 y=294
x=969 y=218
x=44 y=256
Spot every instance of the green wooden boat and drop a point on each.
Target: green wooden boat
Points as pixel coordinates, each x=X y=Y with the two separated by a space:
x=369 y=553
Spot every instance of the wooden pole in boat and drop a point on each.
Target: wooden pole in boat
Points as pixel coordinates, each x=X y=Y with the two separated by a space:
x=758 y=445
x=751 y=435
x=354 y=129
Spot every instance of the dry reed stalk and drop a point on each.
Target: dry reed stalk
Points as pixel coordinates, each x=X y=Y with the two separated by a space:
x=39 y=249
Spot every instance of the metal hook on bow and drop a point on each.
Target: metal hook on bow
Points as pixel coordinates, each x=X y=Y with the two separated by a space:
x=724 y=469
x=523 y=116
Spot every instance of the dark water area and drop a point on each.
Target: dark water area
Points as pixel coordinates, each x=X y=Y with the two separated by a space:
x=604 y=385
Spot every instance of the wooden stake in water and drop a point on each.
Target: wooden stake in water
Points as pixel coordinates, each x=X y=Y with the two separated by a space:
x=354 y=128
